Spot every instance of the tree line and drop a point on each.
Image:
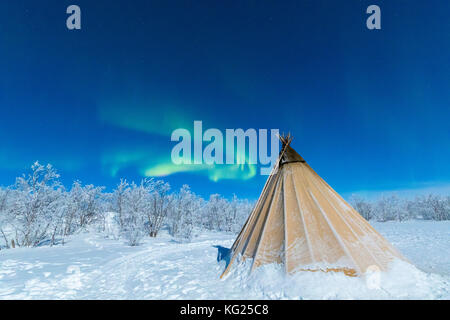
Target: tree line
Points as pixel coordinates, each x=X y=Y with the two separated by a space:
x=390 y=207
x=39 y=210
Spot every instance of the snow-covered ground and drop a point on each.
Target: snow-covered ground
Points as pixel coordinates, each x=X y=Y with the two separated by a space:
x=92 y=267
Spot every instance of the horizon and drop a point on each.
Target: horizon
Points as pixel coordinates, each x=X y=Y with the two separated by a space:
x=368 y=195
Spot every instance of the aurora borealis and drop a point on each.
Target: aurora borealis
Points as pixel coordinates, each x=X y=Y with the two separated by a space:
x=369 y=110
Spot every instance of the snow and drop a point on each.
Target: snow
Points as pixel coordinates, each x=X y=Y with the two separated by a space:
x=90 y=266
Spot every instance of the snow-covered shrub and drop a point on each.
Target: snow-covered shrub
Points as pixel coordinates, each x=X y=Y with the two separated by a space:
x=181 y=219
x=447 y=208
x=119 y=199
x=230 y=214
x=243 y=210
x=4 y=217
x=134 y=211
x=159 y=205
x=389 y=208
x=83 y=206
x=35 y=201
x=432 y=207
x=132 y=231
x=364 y=208
x=215 y=212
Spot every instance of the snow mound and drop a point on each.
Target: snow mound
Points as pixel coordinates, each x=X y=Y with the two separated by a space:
x=403 y=281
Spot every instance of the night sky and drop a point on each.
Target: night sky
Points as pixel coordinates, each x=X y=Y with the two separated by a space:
x=369 y=110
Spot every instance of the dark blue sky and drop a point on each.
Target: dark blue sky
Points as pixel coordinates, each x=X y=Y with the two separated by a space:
x=369 y=110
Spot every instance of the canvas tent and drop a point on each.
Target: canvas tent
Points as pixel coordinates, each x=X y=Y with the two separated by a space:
x=301 y=222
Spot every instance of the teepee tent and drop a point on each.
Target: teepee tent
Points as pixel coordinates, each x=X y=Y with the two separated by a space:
x=302 y=223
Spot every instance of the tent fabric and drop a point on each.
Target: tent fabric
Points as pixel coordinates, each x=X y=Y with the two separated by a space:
x=301 y=222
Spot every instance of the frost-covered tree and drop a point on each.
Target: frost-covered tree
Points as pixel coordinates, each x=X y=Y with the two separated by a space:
x=36 y=200
x=159 y=206
x=4 y=216
x=216 y=211
x=432 y=207
x=243 y=210
x=141 y=208
x=390 y=207
x=134 y=211
x=119 y=199
x=219 y=214
x=89 y=207
x=182 y=216
x=235 y=213
x=361 y=205
x=447 y=208
x=230 y=214
x=83 y=206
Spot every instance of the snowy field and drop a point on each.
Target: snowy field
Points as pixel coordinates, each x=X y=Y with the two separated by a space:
x=92 y=267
